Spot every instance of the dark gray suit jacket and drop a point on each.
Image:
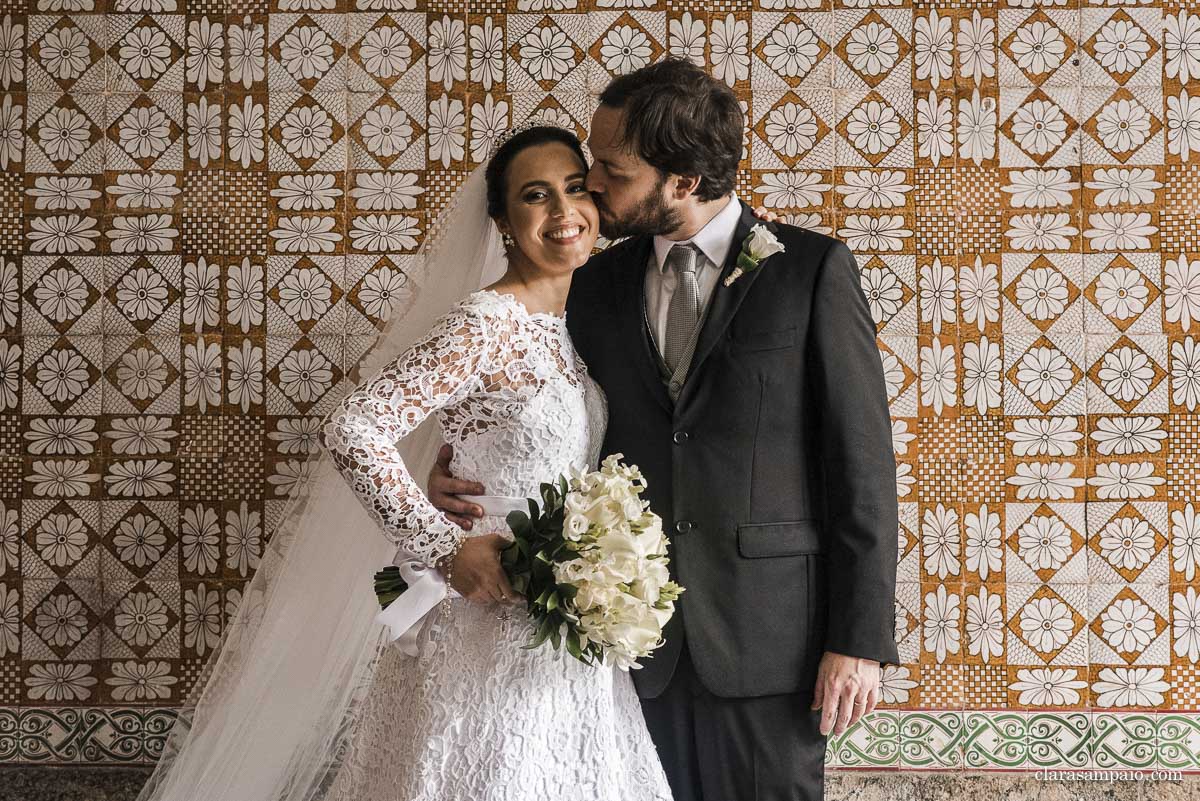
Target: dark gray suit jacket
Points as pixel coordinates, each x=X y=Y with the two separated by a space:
x=773 y=473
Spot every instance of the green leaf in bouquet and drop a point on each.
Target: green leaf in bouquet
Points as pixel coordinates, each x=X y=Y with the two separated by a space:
x=552 y=602
x=562 y=486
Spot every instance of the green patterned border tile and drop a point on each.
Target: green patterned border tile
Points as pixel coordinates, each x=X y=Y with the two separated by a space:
x=1124 y=740
x=995 y=740
x=1179 y=741
x=872 y=742
x=887 y=739
x=931 y=740
x=1060 y=740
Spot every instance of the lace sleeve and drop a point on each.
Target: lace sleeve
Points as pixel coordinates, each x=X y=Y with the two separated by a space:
x=442 y=368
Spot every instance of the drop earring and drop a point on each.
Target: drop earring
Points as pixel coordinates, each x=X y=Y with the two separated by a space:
x=509 y=242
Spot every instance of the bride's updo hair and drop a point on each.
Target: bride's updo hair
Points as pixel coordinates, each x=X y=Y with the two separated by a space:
x=497 y=168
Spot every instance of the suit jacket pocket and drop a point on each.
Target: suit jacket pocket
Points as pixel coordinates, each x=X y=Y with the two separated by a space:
x=763 y=340
x=778 y=539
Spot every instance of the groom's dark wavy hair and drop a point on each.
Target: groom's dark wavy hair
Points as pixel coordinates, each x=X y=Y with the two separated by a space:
x=681 y=121
x=496 y=173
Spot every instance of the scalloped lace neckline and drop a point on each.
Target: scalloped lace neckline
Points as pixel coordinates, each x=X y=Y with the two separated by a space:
x=514 y=301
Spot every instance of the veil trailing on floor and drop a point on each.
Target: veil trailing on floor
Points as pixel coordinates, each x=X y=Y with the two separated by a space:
x=275 y=706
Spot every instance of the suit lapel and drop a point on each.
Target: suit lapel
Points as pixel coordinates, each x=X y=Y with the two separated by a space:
x=725 y=300
x=631 y=312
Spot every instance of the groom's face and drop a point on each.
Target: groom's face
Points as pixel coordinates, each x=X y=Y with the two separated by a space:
x=630 y=194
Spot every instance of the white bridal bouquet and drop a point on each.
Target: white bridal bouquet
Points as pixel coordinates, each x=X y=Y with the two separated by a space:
x=591 y=562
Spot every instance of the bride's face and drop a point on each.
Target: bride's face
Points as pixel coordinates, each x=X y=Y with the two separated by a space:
x=547 y=209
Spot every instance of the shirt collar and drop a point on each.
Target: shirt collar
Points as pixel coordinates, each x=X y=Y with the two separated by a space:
x=714 y=239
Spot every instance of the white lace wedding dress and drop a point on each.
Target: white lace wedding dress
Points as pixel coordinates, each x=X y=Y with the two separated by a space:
x=476 y=717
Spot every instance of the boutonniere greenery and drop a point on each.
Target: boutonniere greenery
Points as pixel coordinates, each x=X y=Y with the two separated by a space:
x=758 y=245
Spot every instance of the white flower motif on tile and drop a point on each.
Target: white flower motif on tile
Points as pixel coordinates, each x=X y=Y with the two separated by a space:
x=1183 y=125
x=1135 y=686
x=1126 y=374
x=729 y=45
x=137 y=681
x=884 y=293
x=1181 y=290
x=1039 y=127
x=489 y=120
x=933 y=48
x=1123 y=126
x=874 y=127
x=979 y=291
x=1044 y=374
x=1185 y=624
x=937 y=293
x=385 y=51
x=940 y=623
x=938 y=375
x=447 y=121
x=1046 y=624
x=1038 y=232
x=984 y=625
x=386 y=130
x=686 y=37
x=982 y=375
x=976 y=128
x=1185 y=541
x=139 y=540
x=60 y=682
x=1127 y=625
x=61 y=539
x=547 y=54
x=306 y=52
x=1125 y=435
x=1034 y=188
x=487 y=54
x=1044 y=542
x=1044 y=436
x=791 y=129
x=61 y=620
x=1039 y=47
x=1123 y=186
x=976 y=46
x=792 y=49
x=983 y=552
x=447 y=51
x=1125 y=480
x=940 y=540
x=1186 y=374
x=1181 y=46
x=1048 y=686
x=872 y=49
x=386 y=191
x=1121 y=47
x=935 y=128
x=1044 y=481
x=625 y=49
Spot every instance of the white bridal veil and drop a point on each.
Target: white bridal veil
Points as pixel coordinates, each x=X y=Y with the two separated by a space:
x=275 y=706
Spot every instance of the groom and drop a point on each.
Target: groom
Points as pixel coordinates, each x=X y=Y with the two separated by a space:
x=757 y=411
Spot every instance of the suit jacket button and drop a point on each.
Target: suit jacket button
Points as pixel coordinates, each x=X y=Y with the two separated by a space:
x=680 y=437
x=683 y=526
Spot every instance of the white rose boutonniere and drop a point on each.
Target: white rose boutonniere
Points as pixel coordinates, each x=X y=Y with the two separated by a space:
x=759 y=245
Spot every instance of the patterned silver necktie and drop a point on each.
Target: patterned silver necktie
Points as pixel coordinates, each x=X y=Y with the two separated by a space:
x=684 y=310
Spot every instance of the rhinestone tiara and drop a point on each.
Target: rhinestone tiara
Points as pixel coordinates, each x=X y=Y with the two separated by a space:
x=518 y=129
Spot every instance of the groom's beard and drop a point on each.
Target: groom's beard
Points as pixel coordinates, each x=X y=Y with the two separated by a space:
x=649 y=217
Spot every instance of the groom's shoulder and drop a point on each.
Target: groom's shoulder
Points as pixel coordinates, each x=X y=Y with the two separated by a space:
x=597 y=271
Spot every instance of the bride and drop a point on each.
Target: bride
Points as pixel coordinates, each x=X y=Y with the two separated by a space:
x=306 y=697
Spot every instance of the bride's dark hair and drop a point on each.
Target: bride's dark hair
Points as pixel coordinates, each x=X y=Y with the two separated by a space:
x=497 y=168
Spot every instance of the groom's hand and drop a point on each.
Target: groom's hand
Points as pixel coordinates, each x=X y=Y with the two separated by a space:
x=762 y=213
x=847 y=688
x=444 y=489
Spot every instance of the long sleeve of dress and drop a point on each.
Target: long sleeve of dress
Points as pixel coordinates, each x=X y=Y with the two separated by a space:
x=440 y=369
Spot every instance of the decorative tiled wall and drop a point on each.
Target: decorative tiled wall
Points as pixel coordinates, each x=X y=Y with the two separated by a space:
x=205 y=205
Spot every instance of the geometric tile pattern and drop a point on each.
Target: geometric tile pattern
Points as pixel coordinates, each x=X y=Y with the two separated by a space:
x=200 y=202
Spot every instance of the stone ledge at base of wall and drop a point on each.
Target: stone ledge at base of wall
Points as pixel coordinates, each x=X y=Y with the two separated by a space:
x=88 y=783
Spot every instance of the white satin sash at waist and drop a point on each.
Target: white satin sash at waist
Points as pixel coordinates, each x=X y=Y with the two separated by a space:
x=427 y=587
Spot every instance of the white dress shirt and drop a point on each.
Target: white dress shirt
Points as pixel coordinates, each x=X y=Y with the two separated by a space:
x=714 y=240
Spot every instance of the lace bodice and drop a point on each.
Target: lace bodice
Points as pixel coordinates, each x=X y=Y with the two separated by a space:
x=508 y=391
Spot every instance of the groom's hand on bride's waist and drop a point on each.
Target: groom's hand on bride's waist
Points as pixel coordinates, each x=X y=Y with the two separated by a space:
x=847 y=688
x=444 y=490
